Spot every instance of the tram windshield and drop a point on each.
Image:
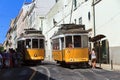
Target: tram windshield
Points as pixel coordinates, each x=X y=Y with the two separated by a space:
x=70 y=41
x=28 y=43
x=41 y=43
x=34 y=43
x=76 y=41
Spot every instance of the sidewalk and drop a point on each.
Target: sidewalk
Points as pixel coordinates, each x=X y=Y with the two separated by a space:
x=109 y=67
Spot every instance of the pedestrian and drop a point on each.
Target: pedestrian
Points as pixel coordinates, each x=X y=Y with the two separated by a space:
x=19 y=57
x=1 y=61
x=14 y=58
x=93 y=58
x=7 y=59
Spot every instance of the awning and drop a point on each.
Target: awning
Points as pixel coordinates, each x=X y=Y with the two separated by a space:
x=97 y=37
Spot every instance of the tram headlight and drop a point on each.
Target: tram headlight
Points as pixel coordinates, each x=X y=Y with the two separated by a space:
x=35 y=55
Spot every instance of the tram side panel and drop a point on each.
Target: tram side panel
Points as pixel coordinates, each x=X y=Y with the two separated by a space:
x=71 y=55
x=35 y=54
x=75 y=55
x=57 y=55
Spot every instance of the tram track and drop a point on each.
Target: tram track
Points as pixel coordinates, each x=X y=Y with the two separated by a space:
x=49 y=71
x=40 y=70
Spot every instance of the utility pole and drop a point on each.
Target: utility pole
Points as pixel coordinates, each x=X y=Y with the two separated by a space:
x=93 y=4
x=94 y=26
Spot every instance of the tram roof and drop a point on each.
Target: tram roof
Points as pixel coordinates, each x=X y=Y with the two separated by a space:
x=71 y=26
x=30 y=36
x=32 y=30
x=71 y=29
x=31 y=33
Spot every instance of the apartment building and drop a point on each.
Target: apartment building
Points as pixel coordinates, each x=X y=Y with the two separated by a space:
x=10 y=36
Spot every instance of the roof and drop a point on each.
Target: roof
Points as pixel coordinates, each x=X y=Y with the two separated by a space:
x=70 y=29
x=31 y=32
x=97 y=37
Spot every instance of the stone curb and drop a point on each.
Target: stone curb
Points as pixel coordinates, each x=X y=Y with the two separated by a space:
x=109 y=67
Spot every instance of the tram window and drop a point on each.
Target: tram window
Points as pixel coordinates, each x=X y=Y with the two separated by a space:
x=41 y=43
x=56 y=44
x=35 y=43
x=28 y=43
x=77 y=41
x=85 y=41
x=62 y=43
x=68 y=41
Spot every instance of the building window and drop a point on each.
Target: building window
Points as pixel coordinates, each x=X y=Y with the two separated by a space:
x=56 y=1
x=75 y=3
x=88 y=15
x=80 y=20
x=75 y=21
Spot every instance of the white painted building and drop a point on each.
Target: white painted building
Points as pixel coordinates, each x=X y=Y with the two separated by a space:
x=10 y=36
x=22 y=22
x=37 y=13
x=107 y=23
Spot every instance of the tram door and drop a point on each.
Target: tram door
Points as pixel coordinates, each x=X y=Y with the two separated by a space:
x=102 y=50
x=105 y=51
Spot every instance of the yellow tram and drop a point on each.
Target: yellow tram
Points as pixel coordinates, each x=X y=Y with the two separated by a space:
x=31 y=46
x=70 y=44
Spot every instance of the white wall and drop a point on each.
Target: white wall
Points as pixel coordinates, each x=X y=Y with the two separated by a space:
x=108 y=20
